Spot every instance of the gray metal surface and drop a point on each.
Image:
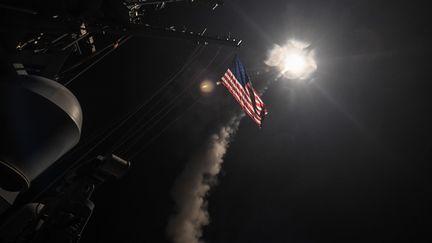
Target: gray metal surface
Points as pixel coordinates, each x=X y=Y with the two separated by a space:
x=40 y=121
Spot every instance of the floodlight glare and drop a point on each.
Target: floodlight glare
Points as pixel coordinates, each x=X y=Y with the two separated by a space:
x=207 y=86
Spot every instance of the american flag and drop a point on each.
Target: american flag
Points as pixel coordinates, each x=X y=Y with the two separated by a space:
x=238 y=84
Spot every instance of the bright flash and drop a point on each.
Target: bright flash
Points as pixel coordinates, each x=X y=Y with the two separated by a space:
x=206 y=86
x=294 y=63
x=293 y=60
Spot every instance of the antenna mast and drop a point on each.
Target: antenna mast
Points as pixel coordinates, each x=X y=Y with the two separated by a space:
x=70 y=35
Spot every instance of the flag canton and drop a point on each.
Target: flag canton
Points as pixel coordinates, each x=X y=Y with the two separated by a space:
x=239 y=72
x=238 y=84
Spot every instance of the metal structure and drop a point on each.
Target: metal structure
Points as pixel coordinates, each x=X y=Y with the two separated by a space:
x=44 y=119
x=64 y=217
x=137 y=10
x=67 y=37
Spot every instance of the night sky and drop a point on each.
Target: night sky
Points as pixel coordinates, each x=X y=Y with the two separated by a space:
x=343 y=156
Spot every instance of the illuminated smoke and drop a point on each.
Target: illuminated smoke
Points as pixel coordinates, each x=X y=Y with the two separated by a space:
x=192 y=187
x=294 y=60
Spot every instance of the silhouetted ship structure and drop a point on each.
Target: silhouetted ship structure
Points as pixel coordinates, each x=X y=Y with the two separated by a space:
x=43 y=50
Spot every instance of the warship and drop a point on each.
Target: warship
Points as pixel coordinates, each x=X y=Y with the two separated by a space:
x=46 y=45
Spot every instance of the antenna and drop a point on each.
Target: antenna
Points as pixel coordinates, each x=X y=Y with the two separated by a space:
x=76 y=36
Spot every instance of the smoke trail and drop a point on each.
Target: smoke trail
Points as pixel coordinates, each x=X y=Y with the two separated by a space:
x=193 y=185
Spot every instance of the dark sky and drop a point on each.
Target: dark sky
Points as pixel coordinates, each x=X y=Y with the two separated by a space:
x=342 y=158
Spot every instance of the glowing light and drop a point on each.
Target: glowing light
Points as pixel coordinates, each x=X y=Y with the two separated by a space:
x=294 y=63
x=207 y=86
x=294 y=60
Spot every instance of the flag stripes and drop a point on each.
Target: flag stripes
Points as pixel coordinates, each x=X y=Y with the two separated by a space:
x=242 y=94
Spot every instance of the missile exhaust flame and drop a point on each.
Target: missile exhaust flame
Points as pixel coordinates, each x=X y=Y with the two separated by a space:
x=294 y=60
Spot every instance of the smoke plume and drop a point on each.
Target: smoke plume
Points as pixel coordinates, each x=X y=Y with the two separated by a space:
x=192 y=187
x=295 y=60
